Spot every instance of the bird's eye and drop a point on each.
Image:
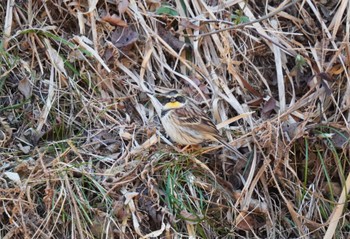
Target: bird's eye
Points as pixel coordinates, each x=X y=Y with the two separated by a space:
x=163 y=99
x=180 y=99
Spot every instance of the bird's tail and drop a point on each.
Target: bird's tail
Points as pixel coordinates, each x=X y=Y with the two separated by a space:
x=230 y=147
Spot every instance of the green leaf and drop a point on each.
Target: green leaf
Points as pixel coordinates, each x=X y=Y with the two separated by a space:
x=166 y=10
x=238 y=17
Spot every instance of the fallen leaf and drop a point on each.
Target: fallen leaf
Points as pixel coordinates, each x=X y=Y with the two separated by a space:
x=269 y=105
x=25 y=87
x=190 y=218
x=115 y=20
x=14 y=177
x=123 y=37
x=55 y=58
x=169 y=38
x=336 y=70
x=341 y=139
x=268 y=108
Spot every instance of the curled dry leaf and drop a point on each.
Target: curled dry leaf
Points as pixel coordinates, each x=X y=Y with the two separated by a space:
x=115 y=20
x=336 y=69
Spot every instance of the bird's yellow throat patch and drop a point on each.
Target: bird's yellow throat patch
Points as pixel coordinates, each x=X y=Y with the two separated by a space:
x=173 y=105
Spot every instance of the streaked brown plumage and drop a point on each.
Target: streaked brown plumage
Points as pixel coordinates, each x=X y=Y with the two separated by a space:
x=186 y=124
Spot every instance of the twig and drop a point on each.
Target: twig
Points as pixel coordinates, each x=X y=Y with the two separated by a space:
x=246 y=23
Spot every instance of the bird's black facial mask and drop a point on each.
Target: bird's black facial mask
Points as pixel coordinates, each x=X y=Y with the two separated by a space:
x=172 y=100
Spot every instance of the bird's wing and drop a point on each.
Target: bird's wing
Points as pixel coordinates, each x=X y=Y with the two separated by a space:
x=197 y=120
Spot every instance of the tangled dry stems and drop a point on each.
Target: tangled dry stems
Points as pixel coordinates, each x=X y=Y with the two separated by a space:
x=83 y=153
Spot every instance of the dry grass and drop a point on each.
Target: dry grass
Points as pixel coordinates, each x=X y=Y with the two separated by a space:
x=82 y=151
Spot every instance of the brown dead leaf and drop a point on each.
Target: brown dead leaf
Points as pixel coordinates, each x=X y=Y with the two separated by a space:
x=120 y=211
x=169 y=38
x=25 y=87
x=189 y=217
x=124 y=37
x=250 y=88
x=115 y=20
x=341 y=140
x=269 y=106
x=336 y=70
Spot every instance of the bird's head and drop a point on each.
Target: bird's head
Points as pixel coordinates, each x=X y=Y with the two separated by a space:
x=172 y=100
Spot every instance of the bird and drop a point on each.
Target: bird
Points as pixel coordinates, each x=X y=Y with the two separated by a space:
x=187 y=124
